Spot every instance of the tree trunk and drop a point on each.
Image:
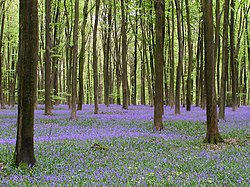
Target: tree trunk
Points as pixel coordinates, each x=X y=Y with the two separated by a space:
x=48 y=110
x=118 y=59
x=212 y=135
x=248 y=46
x=134 y=80
x=74 y=67
x=232 y=58
x=172 y=68
x=223 y=87
x=107 y=58
x=28 y=58
x=198 y=66
x=82 y=55
x=124 y=58
x=68 y=54
x=159 y=61
x=217 y=44
x=190 y=60
x=95 y=59
x=180 y=58
x=55 y=59
x=1 y=57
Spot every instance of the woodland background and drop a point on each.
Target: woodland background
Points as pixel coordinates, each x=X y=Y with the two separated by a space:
x=125 y=42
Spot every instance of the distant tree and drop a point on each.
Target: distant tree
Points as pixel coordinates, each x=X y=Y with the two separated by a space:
x=74 y=67
x=180 y=57
x=172 y=58
x=27 y=73
x=190 y=59
x=48 y=103
x=82 y=54
x=107 y=49
x=232 y=57
x=117 y=58
x=2 y=7
x=212 y=135
x=224 y=73
x=159 y=61
x=125 y=96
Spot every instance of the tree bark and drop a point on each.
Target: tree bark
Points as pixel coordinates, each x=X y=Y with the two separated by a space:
x=118 y=58
x=232 y=58
x=124 y=58
x=48 y=46
x=27 y=69
x=212 y=135
x=172 y=69
x=107 y=59
x=74 y=67
x=223 y=87
x=95 y=59
x=180 y=58
x=82 y=55
x=159 y=61
x=190 y=60
x=1 y=56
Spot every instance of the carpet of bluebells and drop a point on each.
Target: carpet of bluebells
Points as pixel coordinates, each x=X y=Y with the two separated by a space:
x=119 y=148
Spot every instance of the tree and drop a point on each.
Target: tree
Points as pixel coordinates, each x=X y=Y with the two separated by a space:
x=224 y=74
x=1 y=55
x=180 y=58
x=47 y=57
x=190 y=59
x=95 y=59
x=82 y=55
x=107 y=64
x=74 y=67
x=159 y=61
x=212 y=135
x=27 y=68
x=232 y=57
x=124 y=58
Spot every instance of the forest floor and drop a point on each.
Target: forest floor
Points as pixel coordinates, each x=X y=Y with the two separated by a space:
x=119 y=148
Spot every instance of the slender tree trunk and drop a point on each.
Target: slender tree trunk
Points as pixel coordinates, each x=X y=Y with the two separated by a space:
x=223 y=87
x=212 y=135
x=13 y=77
x=134 y=80
x=180 y=58
x=124 y=58
x=217 y=44
x=74 y=67
x=1 y=56
x=107 y=58
x=232 y=57
x=190 y=59
x=27 y=59
x=95 y=59
x=246 y=11
x=68 y=54
x=118 y=58
x=202 y=72
x=55 y=59
x=82 y=55
x=172 y=69
x=198 y=66
x=48 y=110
